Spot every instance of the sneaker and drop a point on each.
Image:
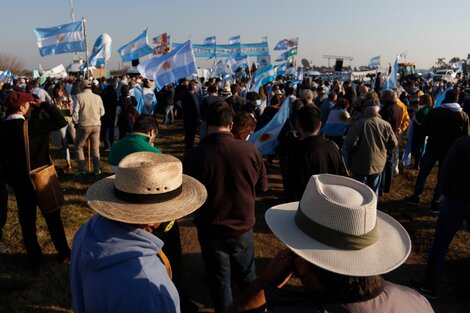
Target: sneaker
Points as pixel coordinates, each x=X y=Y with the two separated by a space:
x=79 y=174
x=429 y=293
x=414 y=200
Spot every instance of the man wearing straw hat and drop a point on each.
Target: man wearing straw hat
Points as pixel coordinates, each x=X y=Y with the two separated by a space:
x=338 y=245
x=117 y=263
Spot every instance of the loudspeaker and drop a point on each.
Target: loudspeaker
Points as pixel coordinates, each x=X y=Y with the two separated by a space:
x=339 y=65
x=135 y=62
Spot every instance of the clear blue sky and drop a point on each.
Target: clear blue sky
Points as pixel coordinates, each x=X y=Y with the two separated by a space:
x=362 y=29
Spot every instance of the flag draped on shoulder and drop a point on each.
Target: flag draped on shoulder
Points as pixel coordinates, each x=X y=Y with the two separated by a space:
x=60 y=39
x=234 y=40
x=136 y=48
x=265 y=139
x=262 y=77
x=170 y=67
x=440 y=97
x=209 y=41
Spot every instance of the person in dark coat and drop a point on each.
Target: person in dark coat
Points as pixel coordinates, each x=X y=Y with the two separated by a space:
x=42 y=118
x=312 y=155
x=235 y=101
x=190 y=106
x=128 y=112
x=109 y=97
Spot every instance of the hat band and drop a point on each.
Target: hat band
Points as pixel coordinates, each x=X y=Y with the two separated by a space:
x=334 y=238
x=147 y=198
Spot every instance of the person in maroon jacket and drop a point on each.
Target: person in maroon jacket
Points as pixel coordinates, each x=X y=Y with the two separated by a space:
x=232 y=171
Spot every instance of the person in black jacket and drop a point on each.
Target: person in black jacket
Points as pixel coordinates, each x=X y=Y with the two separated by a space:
x=190 y=106
x=109 y=97
x=312 y=155
x=42 y=118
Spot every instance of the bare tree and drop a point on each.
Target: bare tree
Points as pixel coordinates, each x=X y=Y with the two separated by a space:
x=12 y=63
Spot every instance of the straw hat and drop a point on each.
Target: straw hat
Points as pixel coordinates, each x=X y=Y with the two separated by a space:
x=147 y=188
x=337 y=227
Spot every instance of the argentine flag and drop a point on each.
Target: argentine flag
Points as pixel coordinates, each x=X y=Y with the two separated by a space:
x=136 y=48
x=392 y=79
x=241 y=61
x=262 y=77
x=101 y=52
x=209 y=41
x=60 y=39
x=287 y=54
x=170 y=67
x=375 y=61
x=265 y=139
x=234 y=40
x=280 y=69
x=5 y=75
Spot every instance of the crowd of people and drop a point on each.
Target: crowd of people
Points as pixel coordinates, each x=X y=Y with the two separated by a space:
x=339 y=150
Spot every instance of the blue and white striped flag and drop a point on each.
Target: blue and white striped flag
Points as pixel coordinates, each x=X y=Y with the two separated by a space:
x=209 y=41
x=262 y=77
x=60 y=39
x=440 y=97
x=5 y=75
x=375 y=61
x=170 y=67
x=280 y=69
x=241 y=61
x=234 y=40
x=265 y=139
x=101 y=52
x=136 y=48
x=287 y=54
x=392 y=79
x=229 y=64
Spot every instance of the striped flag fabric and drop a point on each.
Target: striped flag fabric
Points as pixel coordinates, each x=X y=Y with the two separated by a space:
x=209 y=41
x=60 y=39
x=234 y=40
x=135 y=49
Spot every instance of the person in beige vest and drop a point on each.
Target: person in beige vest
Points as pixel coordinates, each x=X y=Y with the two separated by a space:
x=87 y=114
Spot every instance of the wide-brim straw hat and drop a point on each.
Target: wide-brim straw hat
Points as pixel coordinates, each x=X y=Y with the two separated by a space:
x=148 y=188
x=336 y=226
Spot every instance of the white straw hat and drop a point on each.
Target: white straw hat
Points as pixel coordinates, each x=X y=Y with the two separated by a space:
x=337 y=227
x=147 y=188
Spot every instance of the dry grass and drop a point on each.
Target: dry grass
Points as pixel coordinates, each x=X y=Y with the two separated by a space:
x=49 y=290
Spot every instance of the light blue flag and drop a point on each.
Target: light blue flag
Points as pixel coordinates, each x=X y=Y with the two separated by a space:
x=241 y=61
x=262 y=77
x=5 y=75
x=138 y=93
x=60 y=39
x=229 y=64
x=234 y=40
x=101 y=52
x=287 y=54
x=280 y=69
x=281 y=45
x=209 y=41
x=392 y=79
x=441 y=98
x=136 y=48
x=265 y=139
x=170 y=67
x=374 y=62
x=218 y=69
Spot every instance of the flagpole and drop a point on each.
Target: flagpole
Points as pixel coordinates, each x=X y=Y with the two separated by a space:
x=86 y=49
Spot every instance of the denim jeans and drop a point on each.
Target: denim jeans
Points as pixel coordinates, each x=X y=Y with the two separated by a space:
x=373 y=181
x=169 y=117
x=451 y=217
x=426 y=165
x=221 y=257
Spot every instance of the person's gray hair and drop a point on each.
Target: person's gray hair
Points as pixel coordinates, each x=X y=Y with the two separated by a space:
x=371 y=110
x=388 y=96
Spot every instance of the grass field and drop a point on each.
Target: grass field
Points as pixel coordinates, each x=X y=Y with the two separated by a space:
x=48 y=290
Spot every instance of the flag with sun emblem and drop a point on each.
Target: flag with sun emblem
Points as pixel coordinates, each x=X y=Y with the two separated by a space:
x=136 y=48
x=170 y=67
x=265 y=139
x=64 y=38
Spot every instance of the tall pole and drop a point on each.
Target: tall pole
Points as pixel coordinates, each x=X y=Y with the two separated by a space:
x=86 y=49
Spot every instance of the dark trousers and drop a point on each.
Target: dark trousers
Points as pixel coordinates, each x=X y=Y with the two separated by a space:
x=107 y=130
x=426 y=165
x=373 y=181
x=26 y=201
x=389 y=169
x=190 y=129
x=221 y=257
x=3 y=205
x=451 y=217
